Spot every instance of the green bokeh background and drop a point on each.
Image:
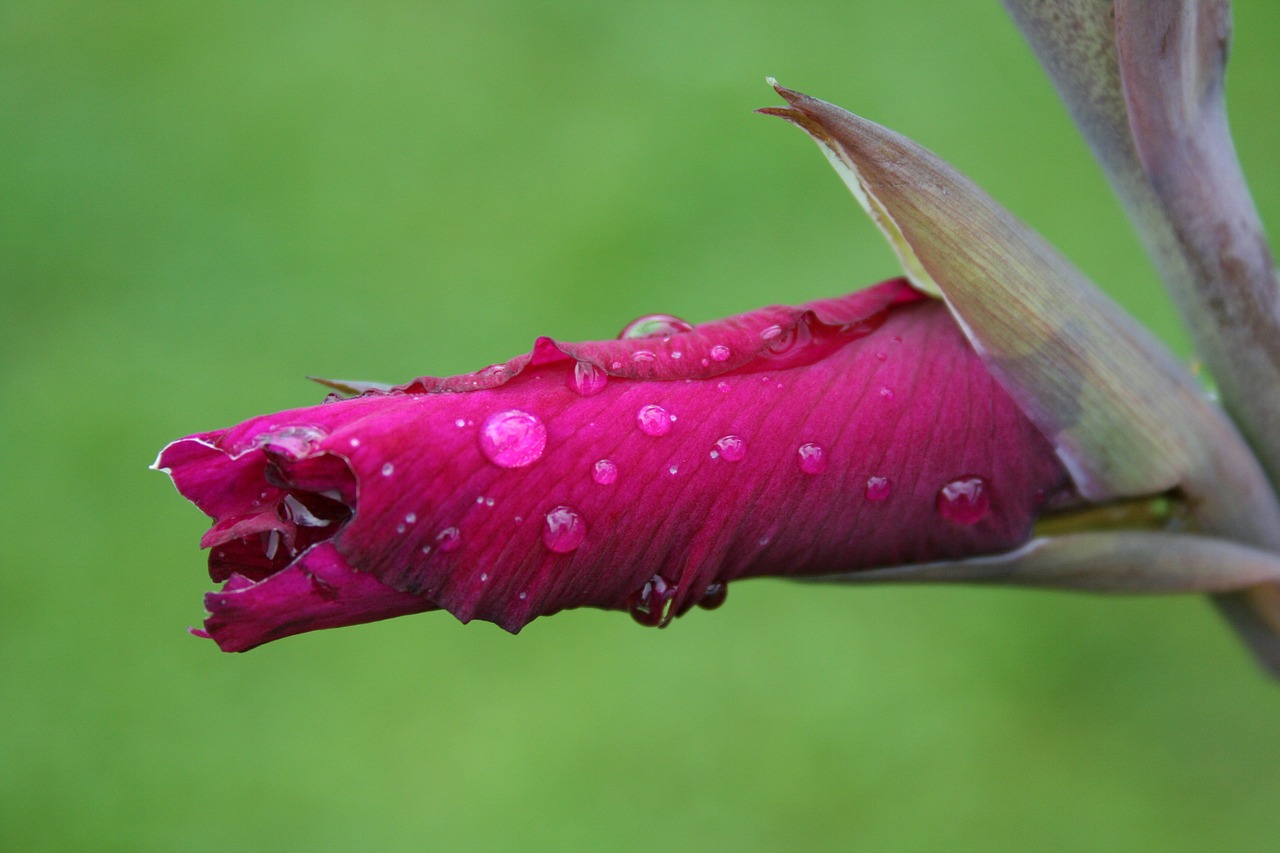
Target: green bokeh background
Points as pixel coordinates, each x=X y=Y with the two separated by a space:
x=201 y=204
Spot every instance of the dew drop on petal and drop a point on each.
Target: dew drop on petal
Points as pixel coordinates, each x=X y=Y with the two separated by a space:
x=812 y=458
x=886 y=392
x=513 y=439
x=881 y=356
x=604 y=472
x=965 y=500
x=723 y=387
x=388 y=469
x=673 y=470
x=449 y=539
x=563 y=530
x=587 y=379
x=651 y=604
x=732 y=448
x=879 y=488
x=617 y=365
x=654 y=420
x=410 y=518
x=770 y=333
x=642 y=356
x=714 y=595
x=460 y=423
x=720 y=352
x=355 y=442
x=654 y=326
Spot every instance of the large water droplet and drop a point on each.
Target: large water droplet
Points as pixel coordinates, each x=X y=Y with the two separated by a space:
x=785 y=340
x=720 y=352
x=965 y=500
x=604 y=472
x=513 y=439
x=714 y=595
x=563 y=530
x=653 y=420
x=449 y=539
x=296 y=442
x=732 y=448
x=879 y=488
x=812 y=458
x=587 y=379
x=651 y=604
x=653 y=326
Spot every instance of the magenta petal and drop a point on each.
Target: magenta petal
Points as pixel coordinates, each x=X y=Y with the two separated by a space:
x=319 y=590
x=848 y=433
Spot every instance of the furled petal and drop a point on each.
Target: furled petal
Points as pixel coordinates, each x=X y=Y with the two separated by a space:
x=642 y=474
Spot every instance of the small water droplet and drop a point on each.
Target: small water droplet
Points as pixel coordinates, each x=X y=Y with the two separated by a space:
x=563 y=530
x=513 y=439
x=426 y=549
x=617 y=365
x=714 y=595
x=604 y=472
x=765 y=540
x=643 y=356
x=651 y=604
x=484 y=576
x=812 y=458
x=400 y=528
x=720 y=352
x=460 y=423
x=965 y=500
x=654 y=420
x=886 y=392
x=879 y=488
x=705 y=363
x=673 y=470
x=677 y=354
x=355 y=442
x=523 y=596
x=881 y=356
x=723 y=387
x=479 y=499
x=654 y=326
x=449 y=539
x=587 y=379
x=770 y=333
x=488 y=501
x=388 y=469
x=732 y=448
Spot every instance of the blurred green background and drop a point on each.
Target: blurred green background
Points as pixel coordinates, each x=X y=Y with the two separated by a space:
x=201 y=204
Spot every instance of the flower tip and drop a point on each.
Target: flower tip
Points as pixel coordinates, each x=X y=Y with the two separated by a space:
x=199 y=632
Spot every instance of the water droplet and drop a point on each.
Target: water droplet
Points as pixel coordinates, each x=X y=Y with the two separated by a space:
x=651 y=604
x=410 y=518
x=604 y=472
x=563 y=530
x=654 y=420
x=880 y=356
x=879 y=488
x=643 y=356
x=677 y=354
x=479 y=499
x=732 y=448
x=654 y=326
x=296 y=442
x=723 y=387
x=673 y=470
x=771 y=333
x=355 y=442
x=617 y=365
x=449 y=539
x=812 y=458
x=765 y=540
x=488 y=501
x=720 y=352
x=523 y=596
x=460 y=423
x=513 y=439
x=965 y=500
x=714 y=595
x=400 y=528
x=388 y=469
x=886 y=392
x=785 y=340
x=426 y=549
